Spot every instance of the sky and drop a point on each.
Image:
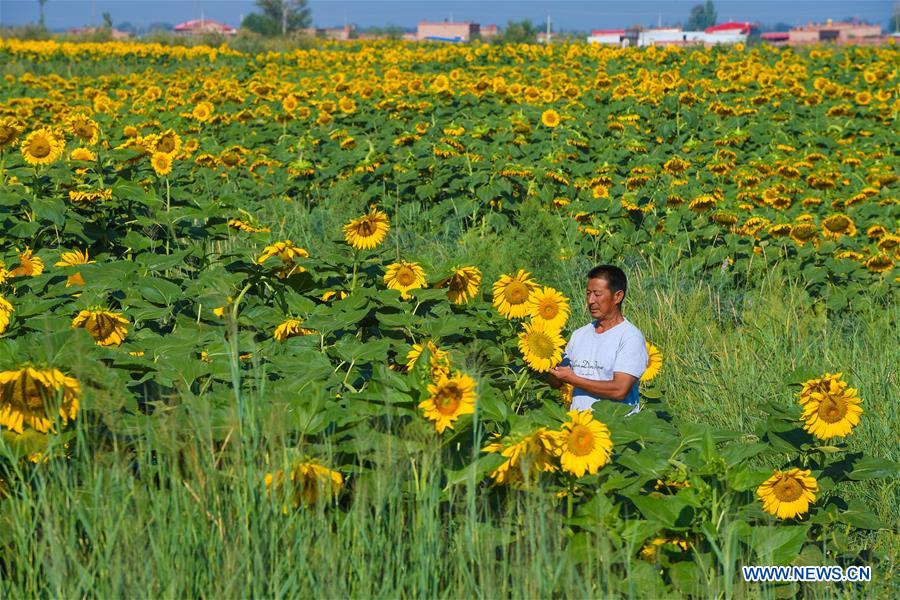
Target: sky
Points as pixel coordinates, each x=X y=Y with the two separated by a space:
x=578 y=15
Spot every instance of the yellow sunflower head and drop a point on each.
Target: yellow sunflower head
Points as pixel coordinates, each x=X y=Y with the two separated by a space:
x=10 y=130
x=541 y=346
x=404 y=276
x=82 y=154
x=202 y=112
x=879 y=263
x=830 y=407
x=550 y=118
x=787 y=494
x=42 y=147
x=462 y=284
x=525 y=458
x=305 y=483
x=837 y=225
x=654 y=363
x=162 y=163
x=450 y=398
x=291 y=328
x=33 y=397
x=584 y=443
x=29 y=265
x=108 y=328
x=168 y=142
x=367 y=231
x=512 y=293
x=548 y=306
x=439 y=360
x=84 y=128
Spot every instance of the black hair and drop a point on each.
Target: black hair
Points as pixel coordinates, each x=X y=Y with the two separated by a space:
x=614 y=276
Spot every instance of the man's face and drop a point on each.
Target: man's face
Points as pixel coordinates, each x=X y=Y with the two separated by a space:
x=601 y=302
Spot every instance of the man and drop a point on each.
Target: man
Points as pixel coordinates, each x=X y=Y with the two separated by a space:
x=606 y=358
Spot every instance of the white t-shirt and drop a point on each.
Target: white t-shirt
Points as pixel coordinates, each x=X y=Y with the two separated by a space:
x=597 y=356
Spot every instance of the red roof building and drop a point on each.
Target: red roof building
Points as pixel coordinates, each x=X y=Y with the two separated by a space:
x=731 y=27
x=199 y=26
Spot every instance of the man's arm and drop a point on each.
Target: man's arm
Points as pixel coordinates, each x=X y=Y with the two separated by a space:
x=615 y=389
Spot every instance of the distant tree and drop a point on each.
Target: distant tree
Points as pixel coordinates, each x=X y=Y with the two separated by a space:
x=160 y=26
x=702 y=16
x=289 y=15
x=895 y=19
x=107 y=20
x=261 y=24
x=519 y=32
x=127 y=26
x=42 y=3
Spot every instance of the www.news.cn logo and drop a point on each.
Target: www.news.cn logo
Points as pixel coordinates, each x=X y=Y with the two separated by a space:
x=820 y=573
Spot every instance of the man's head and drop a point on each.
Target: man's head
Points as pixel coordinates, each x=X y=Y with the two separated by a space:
x=606 y=287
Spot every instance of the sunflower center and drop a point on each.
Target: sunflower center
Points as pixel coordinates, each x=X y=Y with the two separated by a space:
x=405 y=276
x=581 y=440
x=787 y=489
x=516 y=292
x=549 y=310
x=167 y=144
x=28 y=394
x=448 y=399
x=40 y=147
x=541 y=345
x=367 y=228
x=832 y=410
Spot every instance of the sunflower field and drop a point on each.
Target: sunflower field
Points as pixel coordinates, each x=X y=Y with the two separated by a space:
x=280 y=324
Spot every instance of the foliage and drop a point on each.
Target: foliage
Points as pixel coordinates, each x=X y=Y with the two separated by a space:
x=702 y=16
x=518 y=32
x=287 y=16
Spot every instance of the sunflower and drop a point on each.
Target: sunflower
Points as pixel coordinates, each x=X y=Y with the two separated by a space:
x=10 y=129
x=304 y=483
x=285 y=250
x=450 y=398
x=367 y=231
x=830 y=407
x=802 y=233
x=525 y=459
x=837 y=225
x=462 y=284
x=541 y=346
x=106 y=327
x=82 y=154
x=29 y=397
x=549 y=307
x=42 y=147
x=787 y=494
x=290 y=103
x=291 y=328
x=511 y=294
x=347 y=105
x=162 y=163
x=565 y=394
x=84 y=128
x=550 y=118
x=72 y=259
x=6 y=310
x=654 y=362
x=404 y=276
x=202 y=112
x=168 y=142
x=29 y=265
x=439 y=360
x=584 y=443
x=879 y=263
x=334 y=294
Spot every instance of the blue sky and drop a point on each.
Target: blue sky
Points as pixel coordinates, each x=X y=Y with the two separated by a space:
x=565 y=14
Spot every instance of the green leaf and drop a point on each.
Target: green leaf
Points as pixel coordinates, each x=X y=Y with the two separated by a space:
x=873 y=468
x=778 y=545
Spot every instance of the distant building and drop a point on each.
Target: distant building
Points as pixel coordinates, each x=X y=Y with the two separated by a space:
x=839 y=33
x=447 y=32
x=342 y=34
x=489 y=31
x=203 y=26
x=727 y=33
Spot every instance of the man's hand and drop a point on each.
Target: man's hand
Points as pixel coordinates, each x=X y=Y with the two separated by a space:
x=562 y=374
